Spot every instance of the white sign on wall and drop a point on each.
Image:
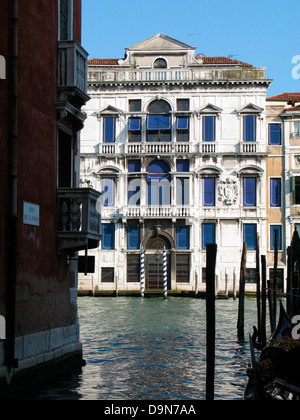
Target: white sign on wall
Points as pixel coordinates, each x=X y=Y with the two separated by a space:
x=31 y=214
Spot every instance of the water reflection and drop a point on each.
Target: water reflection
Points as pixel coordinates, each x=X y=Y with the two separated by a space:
x=155 y=349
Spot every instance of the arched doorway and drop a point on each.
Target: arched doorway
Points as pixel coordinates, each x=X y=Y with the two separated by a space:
x=154 y=263
x=158 y=243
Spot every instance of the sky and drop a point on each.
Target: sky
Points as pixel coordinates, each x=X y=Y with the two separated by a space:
x=264 y=33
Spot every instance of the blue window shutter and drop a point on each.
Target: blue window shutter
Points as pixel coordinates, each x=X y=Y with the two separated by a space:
x=209 y=128
x=183 y=193
x=149 y=195
x=108 y=190
x=183 y=165
x=134 y=165
x=108 y=236
x=159 y=192
x=208 y=234
x=109 y=130
x=275 y=192
x=209 y=192
x=164 y=192
x=153 y=193
x=183 y=237
x=274 y=134
x=249 y=192
x=180 y=191
x=182 y=123
x=273 y=229
x=134 y=192
x=249 y=128
x=133 y=237
x=159 y=122
x=249 y=236
x=134 y=124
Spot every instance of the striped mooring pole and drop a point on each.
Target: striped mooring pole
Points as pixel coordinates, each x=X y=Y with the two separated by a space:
x=142 y=273
x=165 y=274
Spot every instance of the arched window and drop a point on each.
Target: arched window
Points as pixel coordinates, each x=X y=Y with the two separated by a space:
x=160 y=63
x=159 y=185
x=159 y=107
x=159 y=122
x=159 y=169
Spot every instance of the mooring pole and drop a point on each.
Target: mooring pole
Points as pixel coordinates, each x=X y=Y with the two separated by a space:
x=271 y=311
x=165 y=268
x=263 y=300
x=211 y=256
x=289 y=290
x=234 y=284
x=241 y=315
x=142 y=273
x=258 y=288
x=274 y=286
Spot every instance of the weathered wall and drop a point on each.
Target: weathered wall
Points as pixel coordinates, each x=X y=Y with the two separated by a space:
x=3 y=152
x=77 y=7
x=43 y=281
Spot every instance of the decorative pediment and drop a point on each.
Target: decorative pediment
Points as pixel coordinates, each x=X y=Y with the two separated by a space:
x=211 y=109
x=148 y=53
x=160 y=43
x=110 y=111
x=109 y=170
x=209 y=170
x=252 y=170
x=250 y=109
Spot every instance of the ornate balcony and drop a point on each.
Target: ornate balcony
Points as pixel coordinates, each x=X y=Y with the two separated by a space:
x=198 y=75
x=72 y=71
x=252 y=148
x=208 y=148
x=158 y=212
x=79 y=222
x=145 y=148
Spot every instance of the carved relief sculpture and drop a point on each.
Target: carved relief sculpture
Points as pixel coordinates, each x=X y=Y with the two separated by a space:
x=228 y=190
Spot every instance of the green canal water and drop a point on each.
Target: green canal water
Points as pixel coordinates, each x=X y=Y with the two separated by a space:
x=147 y=349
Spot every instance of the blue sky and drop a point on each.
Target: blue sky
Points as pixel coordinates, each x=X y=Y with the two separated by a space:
x=264 y=33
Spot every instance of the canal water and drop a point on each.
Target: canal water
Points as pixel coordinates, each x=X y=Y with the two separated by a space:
x=147 y=349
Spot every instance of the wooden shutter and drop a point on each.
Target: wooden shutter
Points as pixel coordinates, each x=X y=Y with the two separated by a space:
x=133 y=268
x=183 y=268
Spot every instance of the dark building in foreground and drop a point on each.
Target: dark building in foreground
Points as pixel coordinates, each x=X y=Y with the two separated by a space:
x=44 y=217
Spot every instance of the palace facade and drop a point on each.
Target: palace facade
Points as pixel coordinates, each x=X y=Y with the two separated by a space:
x=283 y=175
x=177 y=144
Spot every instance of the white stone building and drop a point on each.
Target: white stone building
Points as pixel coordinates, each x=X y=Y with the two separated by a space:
x=177 y=144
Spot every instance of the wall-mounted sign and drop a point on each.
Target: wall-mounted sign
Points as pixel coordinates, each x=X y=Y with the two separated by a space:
x=31 y=214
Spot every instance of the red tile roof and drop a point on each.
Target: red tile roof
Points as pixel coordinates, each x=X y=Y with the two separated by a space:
x=206 y=61
x=285 y=97
x=223 y=60
x=103 y=61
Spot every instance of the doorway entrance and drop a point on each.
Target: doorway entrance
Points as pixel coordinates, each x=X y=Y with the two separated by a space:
x=154 y=271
